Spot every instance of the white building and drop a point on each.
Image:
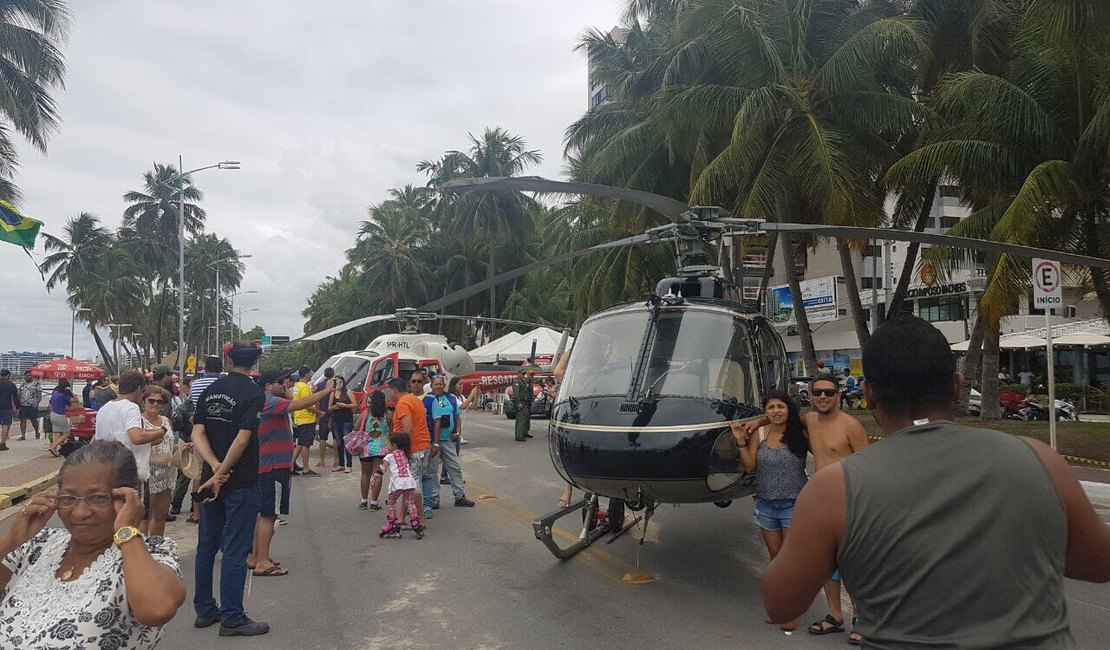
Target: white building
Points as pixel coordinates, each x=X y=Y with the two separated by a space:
x=20 y=362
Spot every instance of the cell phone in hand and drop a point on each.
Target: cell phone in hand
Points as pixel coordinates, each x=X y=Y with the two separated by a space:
x=204 y=494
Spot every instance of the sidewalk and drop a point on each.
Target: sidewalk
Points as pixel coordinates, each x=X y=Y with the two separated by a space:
x=25 y=465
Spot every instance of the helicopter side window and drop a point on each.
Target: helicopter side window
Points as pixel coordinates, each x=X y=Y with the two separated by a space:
x=772 y=357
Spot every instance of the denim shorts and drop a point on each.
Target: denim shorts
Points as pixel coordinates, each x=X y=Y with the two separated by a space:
x=6 y=416
x=28 y=412
x=774 y=514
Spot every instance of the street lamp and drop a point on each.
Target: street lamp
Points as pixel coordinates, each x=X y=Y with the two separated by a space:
x=240 y=293
x=115 y=339
x=217 y=265
x=245 y=311
x=179 y=180
x=73 y=328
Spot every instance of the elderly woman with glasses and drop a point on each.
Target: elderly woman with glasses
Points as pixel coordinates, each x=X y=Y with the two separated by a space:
x=163 y=474
x=96 y=582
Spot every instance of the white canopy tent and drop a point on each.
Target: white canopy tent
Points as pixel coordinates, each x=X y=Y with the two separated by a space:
x=493 y=346
x=520 y=348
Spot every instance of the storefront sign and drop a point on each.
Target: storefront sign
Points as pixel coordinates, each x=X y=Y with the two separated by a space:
x=937 y=290
x=818 y=296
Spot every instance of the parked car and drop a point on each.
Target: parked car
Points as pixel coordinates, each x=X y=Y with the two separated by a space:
x=541 y=402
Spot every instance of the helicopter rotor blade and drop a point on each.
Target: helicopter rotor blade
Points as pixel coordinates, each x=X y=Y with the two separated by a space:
x=486 y=319
x=854 y=232
x=676 y=211
x=349 y=325
x=496 y=280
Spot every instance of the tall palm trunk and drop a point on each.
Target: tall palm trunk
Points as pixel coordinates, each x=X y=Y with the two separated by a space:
x=104 y=354
x=973 y=363
x=161 y=316
x=990 y=409
x=768 y=267
x=809 y=354
x=852 y=289
x=1099 y=277
x=492 y=289
x=895 y=306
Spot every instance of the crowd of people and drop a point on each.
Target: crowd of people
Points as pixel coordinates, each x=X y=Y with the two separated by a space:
x=947 y=532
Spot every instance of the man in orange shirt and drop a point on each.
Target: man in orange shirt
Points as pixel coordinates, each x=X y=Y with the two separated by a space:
x=409 y=416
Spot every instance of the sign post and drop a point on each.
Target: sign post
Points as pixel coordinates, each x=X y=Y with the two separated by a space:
x=1048 y=294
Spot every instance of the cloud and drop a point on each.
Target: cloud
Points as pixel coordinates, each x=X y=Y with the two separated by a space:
x=326 y=106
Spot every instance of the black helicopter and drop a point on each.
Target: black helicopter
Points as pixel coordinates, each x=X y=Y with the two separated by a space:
x=643 y=413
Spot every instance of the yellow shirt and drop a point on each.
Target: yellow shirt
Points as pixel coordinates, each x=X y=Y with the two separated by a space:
x=303 y=416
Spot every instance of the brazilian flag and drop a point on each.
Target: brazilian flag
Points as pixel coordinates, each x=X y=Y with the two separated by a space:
x=15 y=228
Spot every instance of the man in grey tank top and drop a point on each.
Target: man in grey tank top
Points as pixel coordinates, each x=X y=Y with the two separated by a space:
x=948 y=536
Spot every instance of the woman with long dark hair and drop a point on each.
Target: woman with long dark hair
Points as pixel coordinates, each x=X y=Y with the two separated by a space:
x=341 y=407
x=377 y=428
x=776 y=454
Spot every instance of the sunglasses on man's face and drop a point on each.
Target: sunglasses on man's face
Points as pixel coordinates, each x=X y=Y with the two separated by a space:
x=416 y=381
x=827 y=392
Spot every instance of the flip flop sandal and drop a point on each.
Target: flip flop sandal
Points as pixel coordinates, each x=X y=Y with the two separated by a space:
x=834 y=626
x=854 y=638
x=272 y=571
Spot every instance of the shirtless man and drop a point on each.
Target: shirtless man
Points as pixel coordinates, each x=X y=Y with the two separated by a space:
x=833 y=436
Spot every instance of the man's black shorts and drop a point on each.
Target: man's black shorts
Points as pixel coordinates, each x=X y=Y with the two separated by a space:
x=267 y=492
x=324 y=425
x=306 y=434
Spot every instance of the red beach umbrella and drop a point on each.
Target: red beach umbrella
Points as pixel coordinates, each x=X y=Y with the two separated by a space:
x=66 y=368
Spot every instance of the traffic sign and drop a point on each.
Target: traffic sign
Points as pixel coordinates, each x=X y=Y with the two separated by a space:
x=1048 y=290
x=266 y=340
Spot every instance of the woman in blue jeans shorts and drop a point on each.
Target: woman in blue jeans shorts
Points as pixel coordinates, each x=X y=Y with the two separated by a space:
x=342 y=407
x=777 y=456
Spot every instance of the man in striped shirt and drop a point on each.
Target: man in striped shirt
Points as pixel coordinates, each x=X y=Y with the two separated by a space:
x=212 y=368
x=275 y=460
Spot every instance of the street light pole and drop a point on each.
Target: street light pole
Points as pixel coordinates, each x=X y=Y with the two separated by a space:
x=240 y=293
x=245 y=311
x=73 y=330
x=180 y=180
x=216 y=264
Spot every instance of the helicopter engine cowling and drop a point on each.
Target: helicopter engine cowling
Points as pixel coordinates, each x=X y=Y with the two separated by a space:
x=456 y=360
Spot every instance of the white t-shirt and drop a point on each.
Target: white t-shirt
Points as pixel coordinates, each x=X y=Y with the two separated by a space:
x=112 y=422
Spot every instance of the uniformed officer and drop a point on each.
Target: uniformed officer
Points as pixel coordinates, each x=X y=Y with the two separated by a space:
x=522 y=401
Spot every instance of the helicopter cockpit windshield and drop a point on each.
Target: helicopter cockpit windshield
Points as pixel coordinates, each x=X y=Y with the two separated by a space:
x=695 y=352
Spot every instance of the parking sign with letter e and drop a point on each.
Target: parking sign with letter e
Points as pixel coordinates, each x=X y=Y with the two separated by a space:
x=1048 y=290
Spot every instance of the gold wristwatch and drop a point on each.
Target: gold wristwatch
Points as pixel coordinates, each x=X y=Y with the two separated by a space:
x=124 y=535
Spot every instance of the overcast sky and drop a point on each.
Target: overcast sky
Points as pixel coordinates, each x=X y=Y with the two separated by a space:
x=326 y=105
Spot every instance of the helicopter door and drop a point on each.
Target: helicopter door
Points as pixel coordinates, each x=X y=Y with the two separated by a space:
x=382 y=370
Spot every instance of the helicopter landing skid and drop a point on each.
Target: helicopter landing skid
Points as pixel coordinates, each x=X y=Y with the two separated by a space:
x=593 y=527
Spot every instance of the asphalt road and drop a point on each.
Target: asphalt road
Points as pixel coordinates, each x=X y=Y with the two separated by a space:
x=480 y=579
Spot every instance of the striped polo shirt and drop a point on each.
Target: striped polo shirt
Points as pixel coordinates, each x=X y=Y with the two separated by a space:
x=275 y=437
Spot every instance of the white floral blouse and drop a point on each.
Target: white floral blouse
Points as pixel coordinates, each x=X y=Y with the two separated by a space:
x=37 y=610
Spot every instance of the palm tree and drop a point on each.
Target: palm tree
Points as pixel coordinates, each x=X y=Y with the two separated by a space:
x=387 y=258
x=500 y=218
x=1027 y=148
x=153 y=218
x=30 y=34
x=74 y=259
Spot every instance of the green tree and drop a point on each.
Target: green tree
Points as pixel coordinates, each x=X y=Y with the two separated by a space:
x=503 y=219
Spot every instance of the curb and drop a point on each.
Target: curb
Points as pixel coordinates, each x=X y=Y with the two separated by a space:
x=10 y=496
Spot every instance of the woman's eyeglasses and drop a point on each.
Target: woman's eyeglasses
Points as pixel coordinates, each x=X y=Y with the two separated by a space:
x=68 y=501
x=156 y=401
x=827 y=392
